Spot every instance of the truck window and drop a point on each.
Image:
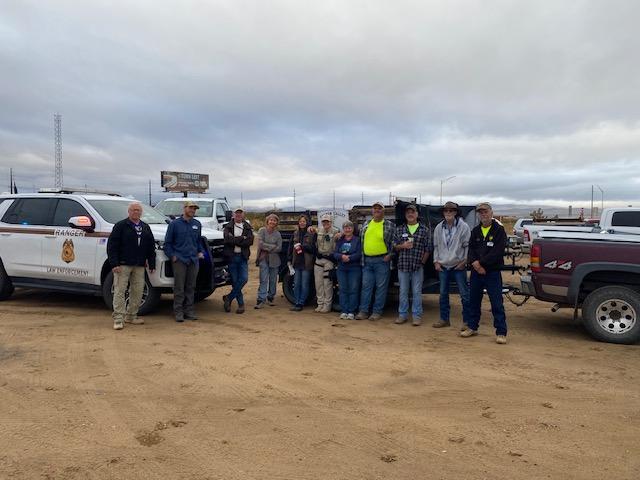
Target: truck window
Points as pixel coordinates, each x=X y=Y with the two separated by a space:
x=626 y=219
x=220 y=210
x=30 y=211
x=171 y=208
x=65 y=210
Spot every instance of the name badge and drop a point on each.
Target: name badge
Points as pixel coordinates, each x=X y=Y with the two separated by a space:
x=489 y=244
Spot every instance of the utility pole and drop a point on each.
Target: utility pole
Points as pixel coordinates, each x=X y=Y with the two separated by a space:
x=241 y=200
x=150 y=204
x=442 y=182
x=362 y=198
x=591 y=214
x=57 y=127
x=294 y=199
x=334 y=202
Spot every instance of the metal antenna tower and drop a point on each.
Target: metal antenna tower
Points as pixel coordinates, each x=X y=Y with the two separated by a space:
x=57 y=126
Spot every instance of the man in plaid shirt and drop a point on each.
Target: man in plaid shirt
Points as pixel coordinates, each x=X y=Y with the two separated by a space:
x=413 y=244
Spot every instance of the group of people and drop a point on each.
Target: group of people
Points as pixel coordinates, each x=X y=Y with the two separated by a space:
x=362 y=263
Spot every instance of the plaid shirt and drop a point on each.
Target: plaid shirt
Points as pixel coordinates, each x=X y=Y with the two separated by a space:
x=410 y=260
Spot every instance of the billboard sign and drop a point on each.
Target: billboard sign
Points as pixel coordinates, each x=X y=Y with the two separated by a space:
x=184 y=182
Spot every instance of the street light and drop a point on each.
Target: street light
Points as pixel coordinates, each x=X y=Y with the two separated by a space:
x=442 y=182
x=601 y=199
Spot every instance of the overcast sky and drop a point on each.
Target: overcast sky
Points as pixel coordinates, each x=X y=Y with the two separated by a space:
x=524 y=102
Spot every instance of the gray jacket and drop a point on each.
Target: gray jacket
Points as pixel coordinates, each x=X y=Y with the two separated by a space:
x=450 y=251
x=272 y=244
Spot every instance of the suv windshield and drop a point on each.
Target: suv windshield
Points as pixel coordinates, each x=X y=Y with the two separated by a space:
x=173 y=208
x=115 y=210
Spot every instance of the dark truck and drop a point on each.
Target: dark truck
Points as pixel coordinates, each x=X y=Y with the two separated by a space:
x=430 y=215
x=597 y=273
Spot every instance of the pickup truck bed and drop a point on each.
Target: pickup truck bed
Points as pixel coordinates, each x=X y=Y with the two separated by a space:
x=596 y=272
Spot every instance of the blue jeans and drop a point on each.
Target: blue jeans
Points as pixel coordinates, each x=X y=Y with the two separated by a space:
x=460 y=277
x=301 y=281
x=239 y=270
x=492 y=282
x=375 y=275
x=349 y=289
x=413 y=281
x=268 y=282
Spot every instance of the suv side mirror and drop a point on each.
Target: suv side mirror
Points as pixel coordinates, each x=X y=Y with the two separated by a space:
x=227 y=215
x=82 y=222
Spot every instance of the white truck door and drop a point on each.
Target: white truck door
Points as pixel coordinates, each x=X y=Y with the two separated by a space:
x=69 y=254
x=22 y=230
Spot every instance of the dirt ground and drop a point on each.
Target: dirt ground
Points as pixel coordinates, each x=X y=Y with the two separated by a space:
x=274 y=394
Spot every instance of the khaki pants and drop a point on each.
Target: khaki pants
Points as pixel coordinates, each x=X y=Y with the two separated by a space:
x=132 y=277
x=324 y=284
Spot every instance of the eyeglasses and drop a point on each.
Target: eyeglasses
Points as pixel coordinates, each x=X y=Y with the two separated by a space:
x=482 y=210
x=448 y=210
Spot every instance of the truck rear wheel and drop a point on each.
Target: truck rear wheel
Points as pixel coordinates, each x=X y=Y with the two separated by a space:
x=287 y=289
x=610 y=314
x=150 y=295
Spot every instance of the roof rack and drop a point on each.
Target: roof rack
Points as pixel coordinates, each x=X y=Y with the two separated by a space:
x=70 y=190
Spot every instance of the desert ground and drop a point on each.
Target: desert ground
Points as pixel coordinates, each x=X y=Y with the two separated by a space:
x=274 y=394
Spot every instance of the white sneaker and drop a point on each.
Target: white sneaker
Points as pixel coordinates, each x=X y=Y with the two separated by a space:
x=351 y=316
x=118 y=325
x=344 y=316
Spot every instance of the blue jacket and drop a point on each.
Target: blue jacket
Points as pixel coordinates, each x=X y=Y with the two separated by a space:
x=352 y=248
x=183 y=240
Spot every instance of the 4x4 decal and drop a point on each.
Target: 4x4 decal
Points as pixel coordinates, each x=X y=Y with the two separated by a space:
x=561 y=264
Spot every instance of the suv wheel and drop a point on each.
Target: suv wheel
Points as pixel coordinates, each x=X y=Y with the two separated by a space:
x=150 y=295
x=6 y=287
x=200 y=295
x=611 y=314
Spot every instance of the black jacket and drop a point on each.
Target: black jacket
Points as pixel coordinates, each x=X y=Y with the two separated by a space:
x=123 y=248
x=231 y=241
x=488 y=251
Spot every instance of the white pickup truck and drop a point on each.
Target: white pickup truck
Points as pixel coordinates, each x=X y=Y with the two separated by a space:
x=625 y=220
x=58 y=241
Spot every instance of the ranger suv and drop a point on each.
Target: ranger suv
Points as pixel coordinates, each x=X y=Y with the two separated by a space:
x=58 y=241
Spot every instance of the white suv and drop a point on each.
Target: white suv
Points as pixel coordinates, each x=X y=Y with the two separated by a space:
x=213 y=212
x=58 y=241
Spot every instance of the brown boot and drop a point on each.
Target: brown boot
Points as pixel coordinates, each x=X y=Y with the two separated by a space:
x=440 y=324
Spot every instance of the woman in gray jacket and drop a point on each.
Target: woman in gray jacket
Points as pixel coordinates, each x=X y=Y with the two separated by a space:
x=269 y=247
x=450 y=248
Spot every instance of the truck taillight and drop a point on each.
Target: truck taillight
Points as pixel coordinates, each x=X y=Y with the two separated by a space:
x=526 y=236
x=535 y=257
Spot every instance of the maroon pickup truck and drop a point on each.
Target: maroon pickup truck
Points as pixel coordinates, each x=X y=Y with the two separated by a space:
x=595 y=272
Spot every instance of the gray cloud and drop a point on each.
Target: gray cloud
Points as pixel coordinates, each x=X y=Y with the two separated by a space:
x=523 y=102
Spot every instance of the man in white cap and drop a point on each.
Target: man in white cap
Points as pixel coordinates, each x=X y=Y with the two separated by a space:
x=377 y=248
x=325 y=245
x=238 y=238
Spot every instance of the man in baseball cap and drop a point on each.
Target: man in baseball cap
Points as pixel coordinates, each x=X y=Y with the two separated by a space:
x=238 y=238
x=486 y=257
x=413 y=246
x=182 y=244
x=377 y=248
